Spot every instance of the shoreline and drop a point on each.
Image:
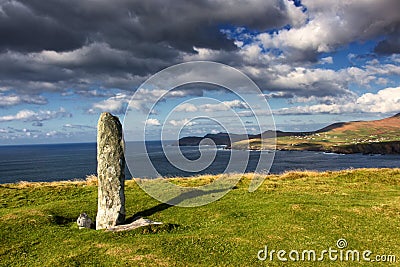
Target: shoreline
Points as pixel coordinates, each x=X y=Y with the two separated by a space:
x=383 y=148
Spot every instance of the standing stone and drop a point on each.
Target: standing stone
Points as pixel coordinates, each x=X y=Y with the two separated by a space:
x=110 y=172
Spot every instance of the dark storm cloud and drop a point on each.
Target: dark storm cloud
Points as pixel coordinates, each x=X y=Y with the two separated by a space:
x=75 y=45
x=60 y=44
x=60 y=25
x=23 y=29
x=391 y=45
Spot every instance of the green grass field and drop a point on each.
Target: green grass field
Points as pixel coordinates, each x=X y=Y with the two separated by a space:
x=294 y=211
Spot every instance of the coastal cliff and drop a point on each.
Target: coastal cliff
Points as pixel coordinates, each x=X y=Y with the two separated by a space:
x=219 y=139
x=392 y=147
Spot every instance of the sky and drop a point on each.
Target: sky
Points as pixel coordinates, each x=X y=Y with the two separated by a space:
x=316 y=62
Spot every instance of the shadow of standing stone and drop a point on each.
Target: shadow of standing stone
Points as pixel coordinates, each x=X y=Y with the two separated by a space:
x=110 y=172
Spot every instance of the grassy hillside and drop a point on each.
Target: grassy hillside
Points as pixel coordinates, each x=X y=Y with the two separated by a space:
x=336 y=136
x=293 y=211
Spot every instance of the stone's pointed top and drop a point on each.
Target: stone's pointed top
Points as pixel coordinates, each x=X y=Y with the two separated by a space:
x=104 y=115
x=108 y=124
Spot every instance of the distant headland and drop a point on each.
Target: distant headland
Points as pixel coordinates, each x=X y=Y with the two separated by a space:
x=367 y=137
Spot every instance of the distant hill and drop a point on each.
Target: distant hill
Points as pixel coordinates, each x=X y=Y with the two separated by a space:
x=218 y=139
x=383 y=126
x=370 y=137
x=395 y=116
x=377 y=136
x=331 y=127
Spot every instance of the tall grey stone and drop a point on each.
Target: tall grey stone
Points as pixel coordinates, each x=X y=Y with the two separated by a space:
x=110 y=172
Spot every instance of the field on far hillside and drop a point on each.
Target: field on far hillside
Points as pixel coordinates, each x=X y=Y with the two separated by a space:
x=334 y=136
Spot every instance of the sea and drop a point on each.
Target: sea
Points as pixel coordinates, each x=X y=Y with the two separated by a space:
x=58 y=162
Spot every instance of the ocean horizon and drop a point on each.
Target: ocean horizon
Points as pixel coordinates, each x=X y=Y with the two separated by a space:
x=69 y=161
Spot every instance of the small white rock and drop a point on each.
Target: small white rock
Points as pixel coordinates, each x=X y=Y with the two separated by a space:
x=84 y=221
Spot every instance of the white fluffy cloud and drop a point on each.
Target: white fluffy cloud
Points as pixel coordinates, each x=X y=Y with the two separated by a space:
x=332 y=25
x=384 y=101
x=186 y=107
x=183 y=122
x=30 y=115
x=142 y=100
x=78 y=126
x=152 y=122
x=13 y=99
x=115 y=104
x=287 y=80
x=326 y=60
x=224 y=106
x=21 y=115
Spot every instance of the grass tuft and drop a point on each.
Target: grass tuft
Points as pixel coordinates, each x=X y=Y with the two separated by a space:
x=91 y=179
